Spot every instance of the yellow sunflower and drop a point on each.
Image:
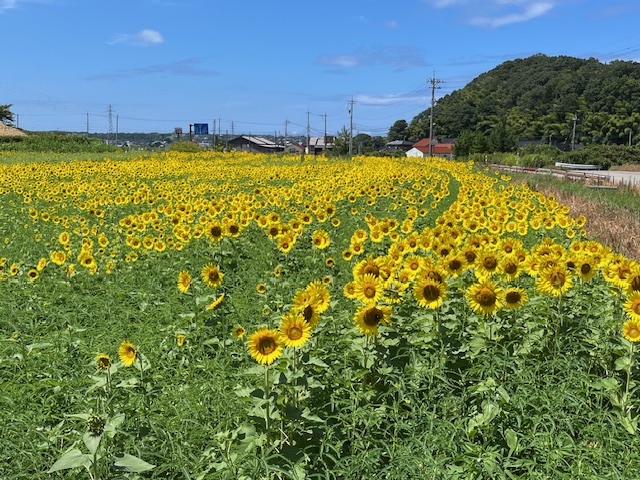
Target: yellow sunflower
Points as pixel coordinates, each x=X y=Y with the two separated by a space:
x=554 y=280
x=633 y=280
x=632 y=306
x=631 y=330
x=127 y=353
x=180 y=338
x=264 y=345
x=184 y=281
x=238 y=331
x=369 y=288
x=261 y=288
x=216 y=302
x=211 y=275
x=370 y=316
x=515 y=297
x=429 y=293
x=294 y=330
x=484 y=297
x=103 y=361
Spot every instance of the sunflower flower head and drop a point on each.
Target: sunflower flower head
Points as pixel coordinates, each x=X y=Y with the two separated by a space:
x=294 y=330
x=127 y=353
x=370 y=316
x=211 y=275
x=184 y=281
x=484 y=297
x=631 y=330
x=103 y=361
x=632 y=306
x=264 y=346
x=238 y=331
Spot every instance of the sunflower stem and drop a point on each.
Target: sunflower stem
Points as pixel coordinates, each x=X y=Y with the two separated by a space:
x=627 y=410
x=267 y=418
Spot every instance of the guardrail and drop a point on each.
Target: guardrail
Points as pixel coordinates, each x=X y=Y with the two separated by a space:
x=576 y=166
x=592 y=180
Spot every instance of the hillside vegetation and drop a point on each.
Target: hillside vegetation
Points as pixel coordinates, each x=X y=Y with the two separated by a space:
x=537 y=98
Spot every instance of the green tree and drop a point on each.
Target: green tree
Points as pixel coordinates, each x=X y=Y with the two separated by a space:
x=469 y=142
x=341 y=143
x=399 y=131
x=502 y=138
x=6 y=115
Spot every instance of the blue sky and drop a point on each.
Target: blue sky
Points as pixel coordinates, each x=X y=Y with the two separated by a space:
x=255 y=66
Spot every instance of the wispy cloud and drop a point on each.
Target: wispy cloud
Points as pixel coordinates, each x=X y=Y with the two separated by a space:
x=12 y=4
x=498 y=13
x=390 y=99
x=399 y=57
x=392 y=24
x=190 y=67
x=143 y=38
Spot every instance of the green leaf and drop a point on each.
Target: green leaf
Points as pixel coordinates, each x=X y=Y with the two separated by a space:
x=130 y=463
x=92 y=442
x=38 y=346
x=623 y=363
x=606 y=384
x=316 y=361
x=71 y=459
x=512 y=440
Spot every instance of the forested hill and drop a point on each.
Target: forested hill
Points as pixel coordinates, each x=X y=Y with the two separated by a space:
x=539 y=96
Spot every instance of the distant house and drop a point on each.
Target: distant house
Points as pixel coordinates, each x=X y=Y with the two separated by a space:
x=438 y=149
x=399 y=145
x=317 y=144
x=248 y=143
x=294 y=148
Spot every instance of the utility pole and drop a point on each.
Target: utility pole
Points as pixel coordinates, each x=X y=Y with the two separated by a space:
x=434 y=82
x=214 y=134
x=351 y=126
x=630 y=132
x=286 y=133
x=308 y=132
x=110 y=116
x=232 y=130
x=324 y=147
x=87 y=124
x=573 y=137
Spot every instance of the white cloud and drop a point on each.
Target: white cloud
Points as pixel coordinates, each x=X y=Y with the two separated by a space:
x=399 y=57
x=144 y=37
x=497 y=13
x=390 y=99
x=530 y=12
x=7 y=5
x=392 y=24
x=11 y=4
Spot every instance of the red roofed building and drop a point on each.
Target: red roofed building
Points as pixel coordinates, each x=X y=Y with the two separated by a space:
x=438 y=149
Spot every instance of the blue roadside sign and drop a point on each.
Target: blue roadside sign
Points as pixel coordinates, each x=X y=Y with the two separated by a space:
x=201 y=129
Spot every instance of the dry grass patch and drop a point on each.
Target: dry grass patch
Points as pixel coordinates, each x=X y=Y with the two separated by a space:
x=611 y=226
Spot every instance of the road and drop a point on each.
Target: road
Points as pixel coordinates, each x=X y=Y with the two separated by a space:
x=619 y=177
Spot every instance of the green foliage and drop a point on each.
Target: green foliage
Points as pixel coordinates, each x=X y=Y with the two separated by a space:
x=53 y=142
x=604 y=156
x=6 y=115
x=185 y=146
x=539 y=97
x=547 y=390
x=399 y=131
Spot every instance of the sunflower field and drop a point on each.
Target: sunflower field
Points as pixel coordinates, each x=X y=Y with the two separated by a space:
x=244 y=316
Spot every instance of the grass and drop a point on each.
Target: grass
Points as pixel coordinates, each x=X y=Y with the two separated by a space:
x=546 y=390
